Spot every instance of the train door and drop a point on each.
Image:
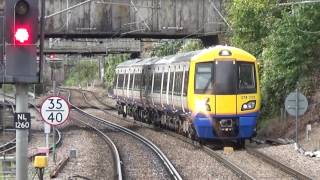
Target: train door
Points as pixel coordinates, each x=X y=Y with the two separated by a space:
x=247 y=86
x=225 y=87
x=203 y=97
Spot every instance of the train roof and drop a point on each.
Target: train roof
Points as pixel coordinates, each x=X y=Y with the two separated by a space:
x=215 y=52
x=129 y=62
x=205 y=54
x=177 y=58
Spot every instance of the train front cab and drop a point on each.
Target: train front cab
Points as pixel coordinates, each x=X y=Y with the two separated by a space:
x=225 y=96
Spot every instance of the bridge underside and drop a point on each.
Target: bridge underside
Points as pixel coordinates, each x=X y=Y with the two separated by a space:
x=157 y=19
x=92 y=46
x=153 y=35
x=87 y=52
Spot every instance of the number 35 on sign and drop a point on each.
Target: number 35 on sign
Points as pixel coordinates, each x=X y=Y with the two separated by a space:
x=55 y=110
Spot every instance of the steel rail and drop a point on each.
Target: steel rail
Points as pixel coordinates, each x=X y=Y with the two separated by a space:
x=277 y=164
x=234 y=168
x=10 y=145
x=113 y=147
x=144 y=140
x=99 y=100
x=242 y=174
x=228 y=164
x=57 y=143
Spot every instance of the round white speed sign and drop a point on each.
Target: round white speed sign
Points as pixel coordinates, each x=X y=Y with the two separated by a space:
x=55 y=110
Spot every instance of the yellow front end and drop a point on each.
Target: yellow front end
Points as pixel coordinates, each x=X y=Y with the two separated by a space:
x=224 y=93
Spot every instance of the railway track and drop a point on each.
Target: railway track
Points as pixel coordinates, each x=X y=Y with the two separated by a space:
x=115 y=153
x=11 y=145
x=136 y=142
x=275 y=163
x=235 y=168
x=114 y=149
x=241 y=173
x=8 y=146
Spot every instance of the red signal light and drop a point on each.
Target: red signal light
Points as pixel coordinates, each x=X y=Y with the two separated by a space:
x=21 y=35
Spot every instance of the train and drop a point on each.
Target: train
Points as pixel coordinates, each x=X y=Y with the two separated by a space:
x=209 y=95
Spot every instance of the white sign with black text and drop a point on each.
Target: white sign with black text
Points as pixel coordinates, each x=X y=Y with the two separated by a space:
x=55 y=110
x=22 y=120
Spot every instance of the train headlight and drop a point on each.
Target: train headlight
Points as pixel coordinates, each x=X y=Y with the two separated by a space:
x=248 y=105
x=225 y=52
x=202 y=106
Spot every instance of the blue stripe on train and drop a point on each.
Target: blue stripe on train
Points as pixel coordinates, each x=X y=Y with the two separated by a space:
x=204 y=125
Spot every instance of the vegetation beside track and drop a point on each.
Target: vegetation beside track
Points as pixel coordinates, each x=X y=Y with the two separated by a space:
x=285 y=39
x=84 y=72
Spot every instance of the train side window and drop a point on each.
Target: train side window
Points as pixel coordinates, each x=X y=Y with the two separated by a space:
x=178 y=84
x=157 y=82
x=120 y=81
x=164 y=84
x=148 y=77
x=133 y=76
x=131 y=81
x=125 y=81
x=171 y=82
x=186 y=82
x=115 y=81
x=137 y=82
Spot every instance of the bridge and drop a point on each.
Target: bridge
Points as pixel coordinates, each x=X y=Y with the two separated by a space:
x=134 y=19
x=92 y=46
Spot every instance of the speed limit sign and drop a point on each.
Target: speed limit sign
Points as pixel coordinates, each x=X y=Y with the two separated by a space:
x=55 y=110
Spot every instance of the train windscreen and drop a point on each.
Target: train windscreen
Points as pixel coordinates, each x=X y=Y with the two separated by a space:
x=204 y=78
x=246 y=78
x=225 y=77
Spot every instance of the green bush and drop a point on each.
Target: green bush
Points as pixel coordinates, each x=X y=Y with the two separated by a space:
x=286 y=41
x=290 y=57
x=110 y=66
x=166 y=47
x=191 y=45
x=84 y=72
x=8 y=88
x=251 y=22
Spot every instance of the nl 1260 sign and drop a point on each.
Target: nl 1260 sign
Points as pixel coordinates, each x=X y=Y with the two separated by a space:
x=55 y=110
x=22 y=120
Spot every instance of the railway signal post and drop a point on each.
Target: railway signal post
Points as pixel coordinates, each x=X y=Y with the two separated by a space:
x=21 y=68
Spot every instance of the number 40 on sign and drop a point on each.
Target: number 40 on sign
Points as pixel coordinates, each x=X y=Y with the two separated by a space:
x=55 y=110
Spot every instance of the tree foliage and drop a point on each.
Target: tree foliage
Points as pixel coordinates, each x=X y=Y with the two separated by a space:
x=191 y=45
x=166 y=47
x=285 y=38
x=170 y=47
x=290 y=57
x=250 y=22
x=84 y=72
x=111 y=62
